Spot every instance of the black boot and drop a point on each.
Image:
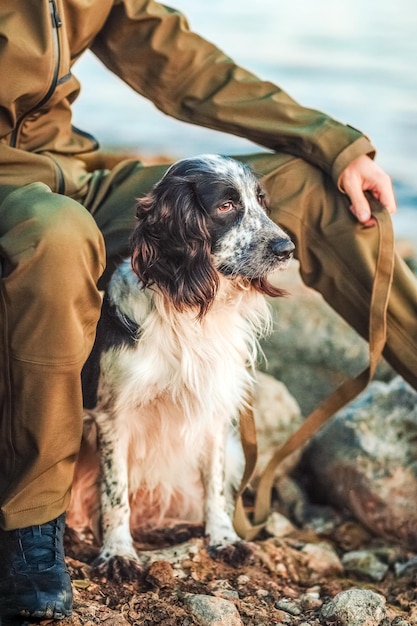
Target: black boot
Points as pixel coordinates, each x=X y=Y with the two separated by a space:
x=34 y=580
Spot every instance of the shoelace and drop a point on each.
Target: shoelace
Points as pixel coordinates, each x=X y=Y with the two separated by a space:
x=40 y=545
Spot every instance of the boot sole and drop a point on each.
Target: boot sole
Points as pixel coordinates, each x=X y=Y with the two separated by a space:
x=50 y=609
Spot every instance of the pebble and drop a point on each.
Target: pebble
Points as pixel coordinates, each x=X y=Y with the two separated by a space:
x=278 y=525
x=407 y=568
x=212 y=611
x=322 y=560
x=365 y=563
x=289 y=606
x=160 y=574
x=310 y=601
x=243 y=579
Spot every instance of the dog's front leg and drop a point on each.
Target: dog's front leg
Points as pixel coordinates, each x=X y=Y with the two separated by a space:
x=118 y=558
x=219 y=526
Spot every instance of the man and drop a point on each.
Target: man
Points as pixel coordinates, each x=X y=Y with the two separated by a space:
x=54 y=215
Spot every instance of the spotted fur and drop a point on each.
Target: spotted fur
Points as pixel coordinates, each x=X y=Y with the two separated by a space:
x=168 y=393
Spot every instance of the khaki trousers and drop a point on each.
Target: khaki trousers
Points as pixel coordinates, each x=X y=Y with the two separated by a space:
x=52 y=252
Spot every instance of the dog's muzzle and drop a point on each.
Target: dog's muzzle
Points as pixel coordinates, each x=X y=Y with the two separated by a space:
x=282 y=248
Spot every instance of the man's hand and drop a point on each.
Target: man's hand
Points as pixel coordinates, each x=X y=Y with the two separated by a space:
x=363 y=174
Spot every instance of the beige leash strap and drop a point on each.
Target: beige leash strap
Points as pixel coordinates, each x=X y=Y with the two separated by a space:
x=339 y=398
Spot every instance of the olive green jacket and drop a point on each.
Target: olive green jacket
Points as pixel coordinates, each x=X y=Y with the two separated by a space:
x=151 y=48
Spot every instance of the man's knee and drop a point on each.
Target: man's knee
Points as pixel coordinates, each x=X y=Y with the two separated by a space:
x=288 y=180
x=32 y=218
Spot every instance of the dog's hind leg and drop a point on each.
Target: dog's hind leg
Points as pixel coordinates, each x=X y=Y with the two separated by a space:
x=219 y=526
x=118 y=558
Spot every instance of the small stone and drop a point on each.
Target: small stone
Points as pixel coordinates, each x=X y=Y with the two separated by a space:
x=211 y=611
x=278 y=525
x=310 y=601
x=288 y=606
x=365 y=563
x=243 y=579
x=407 y=568
x=400 y=621
x=160 y=574
x=322 y=559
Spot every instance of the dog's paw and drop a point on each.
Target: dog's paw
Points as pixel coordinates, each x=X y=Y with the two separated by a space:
x=219 y=529
x=236 y=554
x=118 y=568
x=225 y=545
x=118 y=561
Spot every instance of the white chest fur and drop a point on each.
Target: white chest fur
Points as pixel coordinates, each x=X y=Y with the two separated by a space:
x=182 y=383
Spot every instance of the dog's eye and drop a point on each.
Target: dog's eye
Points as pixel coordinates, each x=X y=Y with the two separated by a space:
x=262 y=198
x=226 y=206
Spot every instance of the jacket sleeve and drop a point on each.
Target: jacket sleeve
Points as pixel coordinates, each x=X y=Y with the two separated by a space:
x=151 y=48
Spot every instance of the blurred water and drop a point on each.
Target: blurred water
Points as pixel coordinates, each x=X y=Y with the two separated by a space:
x=357 y=61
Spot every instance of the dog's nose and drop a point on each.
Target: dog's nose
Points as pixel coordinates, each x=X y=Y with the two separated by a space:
x=282 y=248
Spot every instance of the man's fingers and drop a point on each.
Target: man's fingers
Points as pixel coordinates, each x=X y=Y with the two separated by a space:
x=360 y=205
x=362 y=175
x=387 y=197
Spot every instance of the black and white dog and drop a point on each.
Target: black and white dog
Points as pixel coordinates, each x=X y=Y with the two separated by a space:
x=176 y=345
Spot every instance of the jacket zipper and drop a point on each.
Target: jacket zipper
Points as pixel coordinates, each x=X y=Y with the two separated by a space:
x=56 y=24
x=10 y=455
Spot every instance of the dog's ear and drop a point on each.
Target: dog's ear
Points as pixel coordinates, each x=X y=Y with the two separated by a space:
x=171 y=246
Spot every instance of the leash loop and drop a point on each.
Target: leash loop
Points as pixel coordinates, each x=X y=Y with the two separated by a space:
x=344 y=394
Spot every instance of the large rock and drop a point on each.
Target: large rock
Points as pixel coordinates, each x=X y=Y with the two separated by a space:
x=365 y=459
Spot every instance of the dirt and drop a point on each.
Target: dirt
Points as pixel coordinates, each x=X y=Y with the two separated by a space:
x=269 y=581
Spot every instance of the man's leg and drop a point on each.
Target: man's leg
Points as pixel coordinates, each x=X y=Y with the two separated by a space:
x=52 y=256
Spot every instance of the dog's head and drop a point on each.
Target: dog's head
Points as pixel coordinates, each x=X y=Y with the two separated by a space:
x=206 y=216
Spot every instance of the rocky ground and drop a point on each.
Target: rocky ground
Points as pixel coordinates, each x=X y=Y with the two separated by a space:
x=299 y=579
